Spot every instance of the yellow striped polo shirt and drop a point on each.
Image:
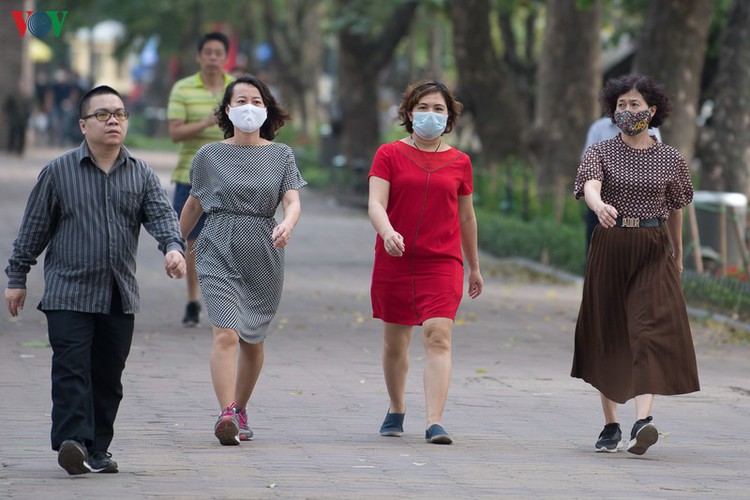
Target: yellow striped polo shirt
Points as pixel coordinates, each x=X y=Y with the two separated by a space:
x=192 y=101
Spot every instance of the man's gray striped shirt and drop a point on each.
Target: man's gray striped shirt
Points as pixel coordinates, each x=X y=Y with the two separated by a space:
x=89 y=222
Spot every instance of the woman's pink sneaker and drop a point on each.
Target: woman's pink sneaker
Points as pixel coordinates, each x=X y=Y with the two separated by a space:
x=245 y=433
x=227 y=428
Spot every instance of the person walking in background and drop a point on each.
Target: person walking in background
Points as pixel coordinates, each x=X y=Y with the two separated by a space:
x=632 y=337
x=239 y=183
x=18 y=108
x=420 y=204
x=86 y=210
x=192 y=123
x=602 y=129
x=59 y=93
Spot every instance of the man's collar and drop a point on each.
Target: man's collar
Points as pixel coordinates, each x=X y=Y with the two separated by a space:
x=199 y=81
x=84 y=151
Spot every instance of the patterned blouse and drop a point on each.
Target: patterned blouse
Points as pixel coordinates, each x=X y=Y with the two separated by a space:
x=644 y=183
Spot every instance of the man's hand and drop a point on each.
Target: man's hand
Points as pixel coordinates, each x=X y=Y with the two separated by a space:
x=174 y=265
x=14 y=299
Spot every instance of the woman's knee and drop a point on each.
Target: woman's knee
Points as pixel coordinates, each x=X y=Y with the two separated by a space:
x=437 y=339
x=225 y=337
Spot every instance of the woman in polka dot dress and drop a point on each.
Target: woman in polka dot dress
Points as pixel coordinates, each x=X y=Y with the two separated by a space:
x=239 y=183
x=632 y=337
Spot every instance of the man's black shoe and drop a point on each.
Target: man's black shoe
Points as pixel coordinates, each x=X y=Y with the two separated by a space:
x=101 y=461
x=72 y=457
x=192 y=314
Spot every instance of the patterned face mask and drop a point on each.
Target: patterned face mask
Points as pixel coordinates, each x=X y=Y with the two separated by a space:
x=633 y=124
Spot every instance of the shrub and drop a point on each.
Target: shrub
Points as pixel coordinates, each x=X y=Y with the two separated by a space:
x=320 y=178
x=543 y=240
x=730 y=297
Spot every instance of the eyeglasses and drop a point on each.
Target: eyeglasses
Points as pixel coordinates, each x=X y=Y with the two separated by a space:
x=103 y=116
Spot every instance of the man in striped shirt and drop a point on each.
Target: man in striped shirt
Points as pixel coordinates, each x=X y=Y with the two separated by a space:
x=190 y=112
x=86 y=210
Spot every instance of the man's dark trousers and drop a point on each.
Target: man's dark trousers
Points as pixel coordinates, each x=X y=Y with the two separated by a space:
x=88 y=357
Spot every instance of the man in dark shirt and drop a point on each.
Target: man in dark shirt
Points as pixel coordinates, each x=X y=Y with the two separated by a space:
x=87 y=209
x=18 y=107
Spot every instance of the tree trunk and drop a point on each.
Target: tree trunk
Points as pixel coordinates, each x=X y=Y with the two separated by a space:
x=358 y=88
x=484 y=86
x=567 y=88
x=671 y=49
x=521 y=59
x=725 y=145
x=14 y=52
x=361 y=59
x=437 y=49
x=298 y=46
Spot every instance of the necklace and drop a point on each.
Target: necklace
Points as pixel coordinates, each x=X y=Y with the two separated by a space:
x=440 y=143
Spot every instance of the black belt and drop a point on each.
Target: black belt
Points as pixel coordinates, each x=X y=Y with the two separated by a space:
x=242 y=214
x=636 y=222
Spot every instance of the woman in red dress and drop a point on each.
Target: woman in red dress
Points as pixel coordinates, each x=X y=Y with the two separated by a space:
x=420 y=204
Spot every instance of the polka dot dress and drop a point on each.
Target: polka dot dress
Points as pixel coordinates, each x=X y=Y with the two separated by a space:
x=241 y=274
x=645 y=183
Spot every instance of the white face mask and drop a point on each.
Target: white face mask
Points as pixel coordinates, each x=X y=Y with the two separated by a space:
x=247 y=117
x=429 y=125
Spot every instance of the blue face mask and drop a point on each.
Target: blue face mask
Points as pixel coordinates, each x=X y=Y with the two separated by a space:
x=428 y=125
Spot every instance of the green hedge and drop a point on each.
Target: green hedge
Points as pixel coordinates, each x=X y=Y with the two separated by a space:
x=543 y=240
x=724 y=295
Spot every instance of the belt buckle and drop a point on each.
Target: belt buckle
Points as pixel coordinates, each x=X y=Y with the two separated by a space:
x=631 y=222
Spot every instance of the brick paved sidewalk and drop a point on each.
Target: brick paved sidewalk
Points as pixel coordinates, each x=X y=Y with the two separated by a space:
x=522 y=427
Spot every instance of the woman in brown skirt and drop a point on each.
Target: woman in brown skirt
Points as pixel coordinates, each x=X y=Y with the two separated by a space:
x=632 y=336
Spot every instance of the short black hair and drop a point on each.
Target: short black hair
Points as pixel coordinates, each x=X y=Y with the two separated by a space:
x=652 y=92
x=100 y=90
x=275 y=119
x=214 y=35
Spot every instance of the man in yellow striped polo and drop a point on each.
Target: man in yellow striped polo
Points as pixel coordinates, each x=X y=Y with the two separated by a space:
x=190 y=112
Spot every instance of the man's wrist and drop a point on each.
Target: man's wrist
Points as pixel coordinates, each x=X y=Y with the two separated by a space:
x=16 y=279
x=174 y=247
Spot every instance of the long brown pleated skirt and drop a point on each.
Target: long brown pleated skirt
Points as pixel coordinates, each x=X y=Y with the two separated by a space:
x=633 y=335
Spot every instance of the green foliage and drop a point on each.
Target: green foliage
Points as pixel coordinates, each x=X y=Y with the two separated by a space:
x=511 y=189
x=150 y=143
x=320 y=178
x=562 y=246
x=141 y=136
x=622 y=18
x=364 y=18
x=177 y=22
x=394 y=133
x=730 y=297
x=719 y=20
x=307 y=156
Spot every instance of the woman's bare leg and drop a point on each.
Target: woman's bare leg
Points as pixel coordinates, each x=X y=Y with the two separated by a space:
x=396 y=340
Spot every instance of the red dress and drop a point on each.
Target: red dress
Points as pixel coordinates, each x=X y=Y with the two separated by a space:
x=427 y=280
